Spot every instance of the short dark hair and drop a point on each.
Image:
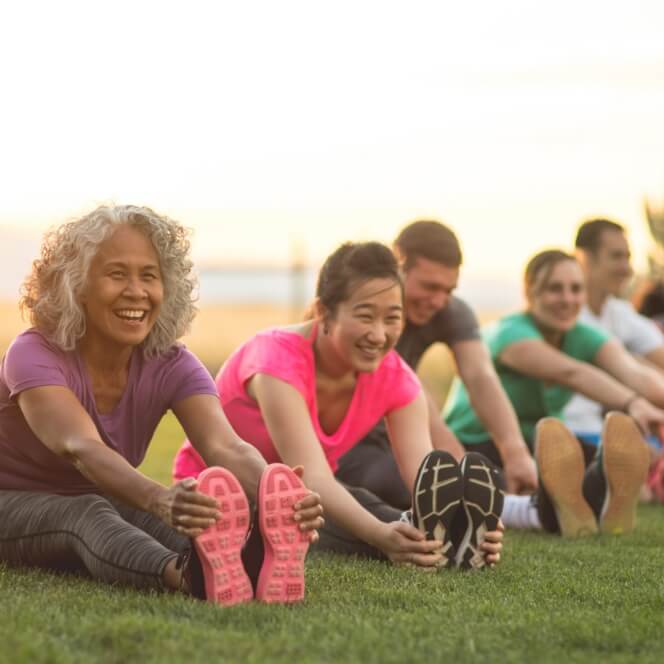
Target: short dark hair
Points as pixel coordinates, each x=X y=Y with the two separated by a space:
x=543 y=264
x=589 y=235
x=428 y=239
x=351 y=264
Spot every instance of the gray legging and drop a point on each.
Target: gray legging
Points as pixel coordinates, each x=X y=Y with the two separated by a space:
x=116 y=543
x=113 y=542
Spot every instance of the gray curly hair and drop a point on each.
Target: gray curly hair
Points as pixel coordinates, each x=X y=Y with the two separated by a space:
x=51 y=292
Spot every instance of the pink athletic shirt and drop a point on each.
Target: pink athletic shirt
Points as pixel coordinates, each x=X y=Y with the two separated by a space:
x=289 y=356
x=153 y=386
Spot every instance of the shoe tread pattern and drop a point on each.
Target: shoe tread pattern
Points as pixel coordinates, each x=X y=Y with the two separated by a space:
x=281 y=578
x=219 y=548
x=436 y=500
x=483 y=498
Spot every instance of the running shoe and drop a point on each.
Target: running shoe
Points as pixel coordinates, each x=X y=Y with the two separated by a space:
x=483 y=497
x=624 y=460
x=281 y=578
x=219 y=547
x=436 y=500
x=561 y=470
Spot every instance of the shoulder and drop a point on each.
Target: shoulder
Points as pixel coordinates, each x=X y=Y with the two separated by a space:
x=514 y=326
x=455 y=322
x=278 y=352
x=33 y=347
x=32 y=361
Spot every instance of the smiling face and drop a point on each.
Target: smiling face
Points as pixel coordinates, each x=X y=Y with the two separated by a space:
x=609 y=266
x=554 y=300
x=366 y=325
x=428 y=286
x=124 y=290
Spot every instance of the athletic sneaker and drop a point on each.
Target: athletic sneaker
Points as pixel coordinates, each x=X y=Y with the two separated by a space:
x=281 y=578
x=618 y=475
x=561 y=470
x=436 y=500
x=219 y=547
x=483 y=497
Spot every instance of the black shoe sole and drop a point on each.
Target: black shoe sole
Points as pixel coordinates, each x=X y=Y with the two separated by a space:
x=436 y=499
x=483 y=497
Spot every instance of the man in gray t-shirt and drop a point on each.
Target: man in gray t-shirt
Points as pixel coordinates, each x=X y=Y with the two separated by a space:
x=430 y=259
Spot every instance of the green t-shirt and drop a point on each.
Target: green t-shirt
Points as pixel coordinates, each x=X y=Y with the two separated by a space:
x=532 y=398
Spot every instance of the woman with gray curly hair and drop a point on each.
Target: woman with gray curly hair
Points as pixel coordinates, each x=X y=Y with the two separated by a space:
x=81 y=393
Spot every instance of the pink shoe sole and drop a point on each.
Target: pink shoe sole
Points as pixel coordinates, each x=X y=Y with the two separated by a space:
x=281 y=578
x=219 y=547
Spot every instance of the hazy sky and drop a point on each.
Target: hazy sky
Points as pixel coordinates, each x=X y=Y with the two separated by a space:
x=268 y=124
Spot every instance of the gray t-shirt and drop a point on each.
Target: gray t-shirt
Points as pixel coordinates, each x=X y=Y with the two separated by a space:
x=456 y=322
x=153 y=386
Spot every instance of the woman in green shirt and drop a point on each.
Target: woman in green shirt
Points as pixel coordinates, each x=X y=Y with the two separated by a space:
x=543 y=356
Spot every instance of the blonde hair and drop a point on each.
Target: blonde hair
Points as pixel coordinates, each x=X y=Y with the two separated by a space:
x=51 y=292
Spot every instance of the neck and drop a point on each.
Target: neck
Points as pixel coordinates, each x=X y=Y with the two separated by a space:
x=100 y=358
x=551 y=336
x=595 y=298
x=328 y=363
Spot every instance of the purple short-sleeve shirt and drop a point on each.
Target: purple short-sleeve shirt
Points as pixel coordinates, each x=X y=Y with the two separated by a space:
x=153 y=386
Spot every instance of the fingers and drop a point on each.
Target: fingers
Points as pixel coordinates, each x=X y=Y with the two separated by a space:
x=492 y=559
x=310 y=500
x=428 y=560
x=491 y=547
x=409 y=531
x=298 y=470
x=494 y=536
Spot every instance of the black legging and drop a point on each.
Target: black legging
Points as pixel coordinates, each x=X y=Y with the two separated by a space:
x=371 y=465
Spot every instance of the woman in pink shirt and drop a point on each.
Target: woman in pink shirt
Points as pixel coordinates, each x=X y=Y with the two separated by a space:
x=306 y=394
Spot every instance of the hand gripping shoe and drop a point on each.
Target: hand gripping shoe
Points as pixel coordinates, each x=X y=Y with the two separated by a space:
x=219 y=547
x=281 y=578
x=483 y=497
x=436 y=499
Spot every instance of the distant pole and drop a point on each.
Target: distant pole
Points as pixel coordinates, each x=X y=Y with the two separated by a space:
x=298 y=272
x=655 y=218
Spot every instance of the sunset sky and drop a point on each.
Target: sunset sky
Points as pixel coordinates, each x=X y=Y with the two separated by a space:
x=267 y=126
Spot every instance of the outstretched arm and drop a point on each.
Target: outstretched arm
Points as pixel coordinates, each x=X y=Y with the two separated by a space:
x=288 y=421
x=59 y=420
x=212 y=436
x=540 y=360
x=410 y=440
x=495 y=411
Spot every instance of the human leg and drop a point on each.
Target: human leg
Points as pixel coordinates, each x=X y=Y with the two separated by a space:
x=371 y=465
x=80 y=533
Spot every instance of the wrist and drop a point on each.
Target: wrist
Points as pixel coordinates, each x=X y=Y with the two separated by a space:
x=375 y=536
x=513 y=451
x=629 y=402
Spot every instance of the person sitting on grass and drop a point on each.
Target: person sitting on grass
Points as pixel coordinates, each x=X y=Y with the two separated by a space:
x=543 y=355
x=307 y=393
x=81 y=393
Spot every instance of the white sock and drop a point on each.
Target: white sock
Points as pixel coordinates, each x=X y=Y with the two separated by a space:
x=520 y=512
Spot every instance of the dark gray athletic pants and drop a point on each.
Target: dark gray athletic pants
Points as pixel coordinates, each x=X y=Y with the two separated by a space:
x=113 y=542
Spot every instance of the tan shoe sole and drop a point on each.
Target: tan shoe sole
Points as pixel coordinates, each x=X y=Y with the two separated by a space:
x=561 y=468
x=626 y=458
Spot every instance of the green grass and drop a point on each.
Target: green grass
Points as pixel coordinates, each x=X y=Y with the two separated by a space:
x=599 y=599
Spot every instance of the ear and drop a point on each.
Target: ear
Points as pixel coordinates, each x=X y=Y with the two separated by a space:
x=320 y=310
x=400 y=256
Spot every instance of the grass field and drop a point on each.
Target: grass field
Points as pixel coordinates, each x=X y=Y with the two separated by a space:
x=601 y=599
